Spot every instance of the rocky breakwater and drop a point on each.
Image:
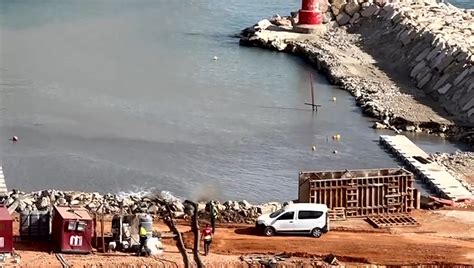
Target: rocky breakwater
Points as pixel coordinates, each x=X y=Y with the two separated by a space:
x=460 y=165
x=229 y=211
x=371 y=48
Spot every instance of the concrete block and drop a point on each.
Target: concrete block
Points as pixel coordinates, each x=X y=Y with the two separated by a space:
x=401 y=33
x=407 y=37
x=437 y=59
x=417 y=48
x=460 y=77
x=423 y=54
x=355 y=18
x=352 y=7
x=462 y=56
x=416 y=70
x=433 y=53
x=469 y=105
x=444 y=63
x=444 y=89
x=343 y=18
x=370 y=11
x=422 y=73
x=337 y=6
x=424 y=80
x=441 y=81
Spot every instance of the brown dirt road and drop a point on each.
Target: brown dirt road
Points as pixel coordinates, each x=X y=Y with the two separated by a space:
x=376 y=248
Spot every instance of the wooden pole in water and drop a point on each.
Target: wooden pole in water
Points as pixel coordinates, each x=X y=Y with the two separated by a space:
x=313 y=106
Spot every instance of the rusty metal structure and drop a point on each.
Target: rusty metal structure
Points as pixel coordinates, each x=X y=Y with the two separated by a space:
x=360 y=193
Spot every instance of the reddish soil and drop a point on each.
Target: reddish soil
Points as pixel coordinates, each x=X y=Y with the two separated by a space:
x=444 y=237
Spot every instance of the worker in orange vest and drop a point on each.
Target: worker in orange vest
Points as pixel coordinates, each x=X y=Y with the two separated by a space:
x=207 y=237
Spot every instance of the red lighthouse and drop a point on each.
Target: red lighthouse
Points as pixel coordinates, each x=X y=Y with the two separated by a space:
x=310 y=12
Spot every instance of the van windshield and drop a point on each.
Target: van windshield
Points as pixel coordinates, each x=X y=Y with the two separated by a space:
x=276 y=213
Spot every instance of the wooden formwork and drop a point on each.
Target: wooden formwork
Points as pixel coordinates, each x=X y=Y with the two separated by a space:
x=360 y=192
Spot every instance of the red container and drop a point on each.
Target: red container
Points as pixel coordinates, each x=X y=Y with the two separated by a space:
x=309 y=17
x=309 y=4
x=72 y=230
x=6 y=231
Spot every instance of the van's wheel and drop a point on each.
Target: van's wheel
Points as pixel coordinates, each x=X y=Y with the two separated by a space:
x=317 y=232
x=269 y=231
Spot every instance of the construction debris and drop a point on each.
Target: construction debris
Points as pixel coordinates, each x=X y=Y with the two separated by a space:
x=433 y=202
x=392 y=220
x=331 y=259
x=265 y=261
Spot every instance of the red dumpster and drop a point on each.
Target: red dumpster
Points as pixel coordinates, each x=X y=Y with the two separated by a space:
x=6 y=231
x=72 y=230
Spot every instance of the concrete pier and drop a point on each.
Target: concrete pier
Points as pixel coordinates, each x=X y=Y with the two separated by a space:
x=3 y=186
x=430 y=173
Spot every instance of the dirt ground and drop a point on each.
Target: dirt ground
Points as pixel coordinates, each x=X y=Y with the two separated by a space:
x=443 y=237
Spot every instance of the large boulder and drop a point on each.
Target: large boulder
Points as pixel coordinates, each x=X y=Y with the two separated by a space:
x=378 y=125
x=245 y=205
x=343 y=18
x=28 y=199
x=337 y=6
x=355 y=18
x=43 y=203
x=370 y=11
x=268 y=207
x=352 y=7
x=280 y=21
x=92 y=205
x=263 y=24
x=323 y=6
x=153 y=209
x=61 y=201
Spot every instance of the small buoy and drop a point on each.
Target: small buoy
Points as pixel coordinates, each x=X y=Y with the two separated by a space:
x=338 y=137
x=216 y=58
x=334 y=152
x=313 y=148
x=334 y=99
x=14 y=138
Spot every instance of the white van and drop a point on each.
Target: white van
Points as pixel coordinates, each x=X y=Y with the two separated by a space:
x=304 y=218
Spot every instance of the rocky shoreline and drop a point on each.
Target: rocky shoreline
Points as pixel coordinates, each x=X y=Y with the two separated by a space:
x=346 y=52
x=460 y=165
x=229 y=211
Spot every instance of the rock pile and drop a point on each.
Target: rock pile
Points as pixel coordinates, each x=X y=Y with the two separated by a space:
x=460 y=165
x=240 y=211
x=229 y=211
x=438 y=57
